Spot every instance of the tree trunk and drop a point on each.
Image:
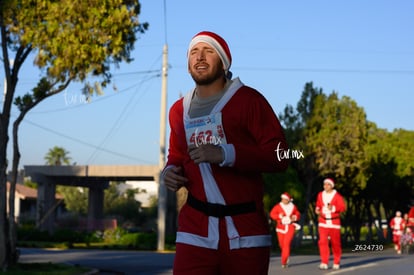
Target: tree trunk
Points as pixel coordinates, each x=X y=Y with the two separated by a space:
x=14 y=256
x=10 y=71
x=4 y=242
x=369 y=238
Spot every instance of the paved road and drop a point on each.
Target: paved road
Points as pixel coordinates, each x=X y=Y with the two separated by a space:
x=153 y=263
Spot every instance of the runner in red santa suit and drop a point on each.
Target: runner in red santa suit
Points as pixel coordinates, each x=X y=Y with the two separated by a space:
x=286 y=214
x=223 y=136
x=410 y=222
x=329 y=205
x=397 y=225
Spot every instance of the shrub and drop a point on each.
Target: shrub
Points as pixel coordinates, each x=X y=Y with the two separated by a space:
x=112 y=236
x=142 y=241
x=67 y=235
x=30 y=233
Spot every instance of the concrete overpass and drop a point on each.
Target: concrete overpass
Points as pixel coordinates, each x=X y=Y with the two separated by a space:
x=95 y=177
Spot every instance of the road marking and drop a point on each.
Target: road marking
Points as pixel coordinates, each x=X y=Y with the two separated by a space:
x=342 y=270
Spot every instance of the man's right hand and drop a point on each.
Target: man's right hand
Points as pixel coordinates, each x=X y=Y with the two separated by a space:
x=174 y=179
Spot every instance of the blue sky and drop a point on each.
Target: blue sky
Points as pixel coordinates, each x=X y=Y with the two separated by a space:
x=361 y=49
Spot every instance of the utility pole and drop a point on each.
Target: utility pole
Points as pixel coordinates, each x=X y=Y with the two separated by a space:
x=162 y=190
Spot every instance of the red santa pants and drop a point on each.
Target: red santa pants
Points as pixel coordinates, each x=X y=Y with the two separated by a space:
x=396 y=239
x=285 y=239
x=190 y=260
x=334 y=235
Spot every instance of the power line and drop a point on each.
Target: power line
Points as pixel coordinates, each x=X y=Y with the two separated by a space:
x=117 y=124
x=316 y=70
x=328 y=50
x=85 y=143
x=99 y=98
x=326 y=70
x=150 y=74
x=138 y=72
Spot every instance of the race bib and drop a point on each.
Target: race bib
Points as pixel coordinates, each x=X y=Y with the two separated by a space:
x=205 y=130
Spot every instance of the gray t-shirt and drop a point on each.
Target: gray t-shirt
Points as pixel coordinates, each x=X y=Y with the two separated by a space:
x=202 y=106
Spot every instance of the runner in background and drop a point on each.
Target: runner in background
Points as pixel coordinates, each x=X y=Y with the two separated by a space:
x=397 y=225
x=286 y=214
x=329 y=205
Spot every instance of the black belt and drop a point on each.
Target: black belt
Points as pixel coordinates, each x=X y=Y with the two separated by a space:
x=221 y=210
x=328 y=219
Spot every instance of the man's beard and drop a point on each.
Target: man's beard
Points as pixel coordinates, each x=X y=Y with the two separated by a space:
x=207 y=79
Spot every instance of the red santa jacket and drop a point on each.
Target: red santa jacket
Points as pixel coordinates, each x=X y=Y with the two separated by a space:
x=238 y=120
x=411 y=217
x=330 y=218
x=285 y=216
x=397 y=224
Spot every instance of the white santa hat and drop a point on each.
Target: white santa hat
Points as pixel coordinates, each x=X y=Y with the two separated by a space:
x=217 y=43
x=286 y=196
x=329 y=181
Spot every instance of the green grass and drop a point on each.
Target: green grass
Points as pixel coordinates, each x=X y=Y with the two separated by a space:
x=45 y=269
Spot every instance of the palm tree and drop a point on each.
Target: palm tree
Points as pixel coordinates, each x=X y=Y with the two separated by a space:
x=57 y=156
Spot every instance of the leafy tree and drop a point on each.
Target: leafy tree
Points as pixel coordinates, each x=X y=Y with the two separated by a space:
x=403 y=151
x=128 y=211
x=123 y=204
x=336 y=135
x=332 y=133
x=75 y=198
x=374 y=168
x=295 y=122
x=70 y=40
x=390 y=175
x=57 y=156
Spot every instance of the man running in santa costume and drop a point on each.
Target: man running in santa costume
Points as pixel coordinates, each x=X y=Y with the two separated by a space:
x=397 y=225
x=410 y=221
x=223 y=136
x=329 y=205
x=286 y=214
